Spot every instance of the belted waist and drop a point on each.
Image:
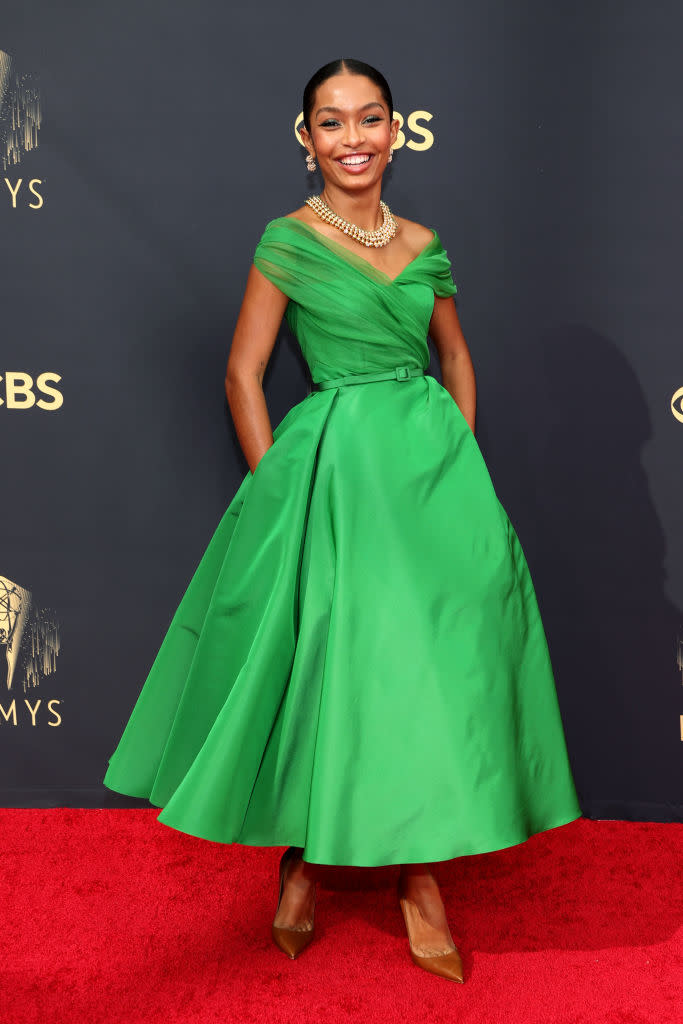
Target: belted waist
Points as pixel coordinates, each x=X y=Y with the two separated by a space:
x=398 y=373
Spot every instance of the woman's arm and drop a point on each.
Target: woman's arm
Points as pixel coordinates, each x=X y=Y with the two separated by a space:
x=457 y=370
x=255 y=334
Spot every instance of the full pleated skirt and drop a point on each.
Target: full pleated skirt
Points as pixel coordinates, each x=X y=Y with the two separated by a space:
x=358 y=666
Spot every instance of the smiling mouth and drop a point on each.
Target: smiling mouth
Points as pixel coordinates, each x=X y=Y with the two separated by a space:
x=357 y=160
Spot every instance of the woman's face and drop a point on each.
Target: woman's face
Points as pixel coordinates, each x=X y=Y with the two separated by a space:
x=351 y=131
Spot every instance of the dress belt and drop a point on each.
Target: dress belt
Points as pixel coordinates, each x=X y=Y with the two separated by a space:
x=398 y=373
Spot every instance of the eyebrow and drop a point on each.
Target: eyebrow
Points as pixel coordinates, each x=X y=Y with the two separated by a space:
x=337 y=110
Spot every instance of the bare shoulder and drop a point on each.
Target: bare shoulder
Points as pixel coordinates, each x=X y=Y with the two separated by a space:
x=414 y=235
x=304 y=213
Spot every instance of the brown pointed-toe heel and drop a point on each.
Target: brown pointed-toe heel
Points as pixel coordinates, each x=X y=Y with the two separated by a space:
x=291 y=941
x=446 y=965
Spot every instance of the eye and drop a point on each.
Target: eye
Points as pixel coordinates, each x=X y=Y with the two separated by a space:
x=327 y=124
x=373 y=117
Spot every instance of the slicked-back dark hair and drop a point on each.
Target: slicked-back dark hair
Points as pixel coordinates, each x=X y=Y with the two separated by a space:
x=336 y=67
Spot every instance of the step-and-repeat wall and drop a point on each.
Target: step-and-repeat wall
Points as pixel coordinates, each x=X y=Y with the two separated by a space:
x=144 y=147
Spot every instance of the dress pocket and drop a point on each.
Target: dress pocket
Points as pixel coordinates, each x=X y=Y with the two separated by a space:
x=263 y=458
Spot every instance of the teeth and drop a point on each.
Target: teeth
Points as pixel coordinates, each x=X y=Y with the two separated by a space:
x=355 y=160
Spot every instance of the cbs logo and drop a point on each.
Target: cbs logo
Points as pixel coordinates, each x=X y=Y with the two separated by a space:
x=19 y=390
x=677 y=404
x=425 y=138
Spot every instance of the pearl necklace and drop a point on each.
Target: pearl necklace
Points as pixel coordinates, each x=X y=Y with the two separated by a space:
x=379 y=237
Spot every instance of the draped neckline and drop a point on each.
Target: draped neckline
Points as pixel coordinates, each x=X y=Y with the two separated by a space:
x=353 y=258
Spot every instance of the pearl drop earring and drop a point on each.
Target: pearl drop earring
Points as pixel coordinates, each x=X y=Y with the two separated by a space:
x=391 y=156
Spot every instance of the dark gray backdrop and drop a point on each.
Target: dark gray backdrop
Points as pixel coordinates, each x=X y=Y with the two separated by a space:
x=166 y=144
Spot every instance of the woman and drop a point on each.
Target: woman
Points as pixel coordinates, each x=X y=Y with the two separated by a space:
x=358 y=667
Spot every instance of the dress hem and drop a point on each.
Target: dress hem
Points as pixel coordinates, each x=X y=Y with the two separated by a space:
x=420 y=857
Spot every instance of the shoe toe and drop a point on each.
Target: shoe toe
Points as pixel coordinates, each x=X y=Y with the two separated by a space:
x=447 y=965
x=290 y=941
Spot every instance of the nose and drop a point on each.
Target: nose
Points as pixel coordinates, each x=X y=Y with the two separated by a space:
x=353 y=135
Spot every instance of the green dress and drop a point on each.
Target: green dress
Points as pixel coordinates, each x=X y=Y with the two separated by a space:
x=358 y=666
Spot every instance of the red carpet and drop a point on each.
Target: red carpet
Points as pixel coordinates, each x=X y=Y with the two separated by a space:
x=109 y=916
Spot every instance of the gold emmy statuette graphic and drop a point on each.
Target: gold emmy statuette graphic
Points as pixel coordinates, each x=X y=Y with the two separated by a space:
x=20 y=112
x=15 y=603
x=29 y=638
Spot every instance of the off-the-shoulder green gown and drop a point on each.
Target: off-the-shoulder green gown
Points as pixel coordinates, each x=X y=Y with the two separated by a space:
x=358 y=665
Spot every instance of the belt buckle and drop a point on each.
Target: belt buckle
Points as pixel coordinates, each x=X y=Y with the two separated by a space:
x=402 y=373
